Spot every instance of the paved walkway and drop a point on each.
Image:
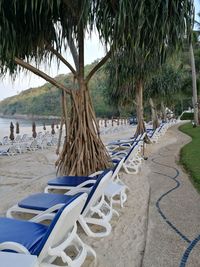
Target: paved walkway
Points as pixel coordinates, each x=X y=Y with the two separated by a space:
x=173 y=237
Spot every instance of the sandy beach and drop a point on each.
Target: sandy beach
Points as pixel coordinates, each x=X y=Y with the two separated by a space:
x=28 y=173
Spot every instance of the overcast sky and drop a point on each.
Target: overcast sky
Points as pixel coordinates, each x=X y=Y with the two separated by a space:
x=93 y=50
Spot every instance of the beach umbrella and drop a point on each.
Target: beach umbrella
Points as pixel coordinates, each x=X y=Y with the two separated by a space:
x=12 y=137
x=52 y=128
x=17 y=127
x=34 y=130
x=44 y=126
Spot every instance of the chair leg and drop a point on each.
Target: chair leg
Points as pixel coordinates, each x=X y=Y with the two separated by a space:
x=83 y=251
x=90 y=250
x=130 y=169
x=84 y=222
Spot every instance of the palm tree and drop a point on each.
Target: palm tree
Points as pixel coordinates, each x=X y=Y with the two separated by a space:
x=161 y=31
x=194 y=85
x=194 y=40
x=191 y=58
x=164 y=87
x=32 y=30
x=39 y=30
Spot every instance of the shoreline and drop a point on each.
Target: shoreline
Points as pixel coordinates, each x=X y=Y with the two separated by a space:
x=30 y=117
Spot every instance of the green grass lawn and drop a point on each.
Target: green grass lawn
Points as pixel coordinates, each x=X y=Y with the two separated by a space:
x=190 y=154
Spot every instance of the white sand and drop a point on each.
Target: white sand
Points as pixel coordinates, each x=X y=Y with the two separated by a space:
x=24 y=174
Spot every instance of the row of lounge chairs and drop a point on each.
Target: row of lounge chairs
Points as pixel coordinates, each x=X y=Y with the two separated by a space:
x=88 y=200
x=25 y=143
x=85 y=202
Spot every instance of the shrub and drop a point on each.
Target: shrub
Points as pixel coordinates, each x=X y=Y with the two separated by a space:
x=187 y=116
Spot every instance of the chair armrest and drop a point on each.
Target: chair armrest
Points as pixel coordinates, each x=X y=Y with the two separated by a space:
x=95 y=173
x=81 y=188
x=47 y=214
x=120 y=153
x=14 y=246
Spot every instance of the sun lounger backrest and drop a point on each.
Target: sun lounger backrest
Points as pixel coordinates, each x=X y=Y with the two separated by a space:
x=161 y=126
x=143 y=136
x=138 y=137
x=5 y=140
x=117 y=168
x=12 y=150
x=97 y=190
x=131 y=150
x=61 y=225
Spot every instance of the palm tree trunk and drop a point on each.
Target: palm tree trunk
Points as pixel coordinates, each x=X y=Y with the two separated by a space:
x=154 y=114
x=194 y=85
x=83 y=151
x=139 y=108
x=163 y=110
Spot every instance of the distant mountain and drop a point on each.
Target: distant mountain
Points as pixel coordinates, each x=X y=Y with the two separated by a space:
x=45 y=100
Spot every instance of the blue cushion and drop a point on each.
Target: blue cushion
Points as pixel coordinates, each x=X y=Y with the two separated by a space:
x=28 y=234
x=150 y=134
x=70 y=181
x=161 y=126
x=41 y=244
x=43 y=201
x=31 y=235
x=130 y=151
x=116 y=160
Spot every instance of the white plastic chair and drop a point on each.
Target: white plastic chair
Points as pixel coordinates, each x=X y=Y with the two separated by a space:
x=48 y=242
x=46 y=204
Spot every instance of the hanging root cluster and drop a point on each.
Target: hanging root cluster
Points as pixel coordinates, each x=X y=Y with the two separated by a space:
x=83 y=151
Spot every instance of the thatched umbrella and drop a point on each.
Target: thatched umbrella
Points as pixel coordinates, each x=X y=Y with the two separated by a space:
x=17 y=127
x=12 y=137
x=52 y=128
x=44 y=126
x=34 y=130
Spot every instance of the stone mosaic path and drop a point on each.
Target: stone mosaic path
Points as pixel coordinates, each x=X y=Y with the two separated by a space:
x=173 y=237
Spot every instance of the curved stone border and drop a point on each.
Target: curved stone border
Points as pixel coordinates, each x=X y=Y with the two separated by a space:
x=188 y=251
x=165 y=194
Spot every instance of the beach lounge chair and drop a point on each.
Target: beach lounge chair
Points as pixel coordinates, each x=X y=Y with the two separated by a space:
x=17 y=139
x=5 y=140
x=48 y=242
x=132 y=159
x=96 y=210
x=42 y=143
x=154 y=135
x=25 y=138
x=10 y=151
x=115 y=189
x=126 y=145
x=33 y=146
x=118 y=144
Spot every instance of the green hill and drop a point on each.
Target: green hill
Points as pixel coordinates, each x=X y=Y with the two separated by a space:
x=45 y=100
